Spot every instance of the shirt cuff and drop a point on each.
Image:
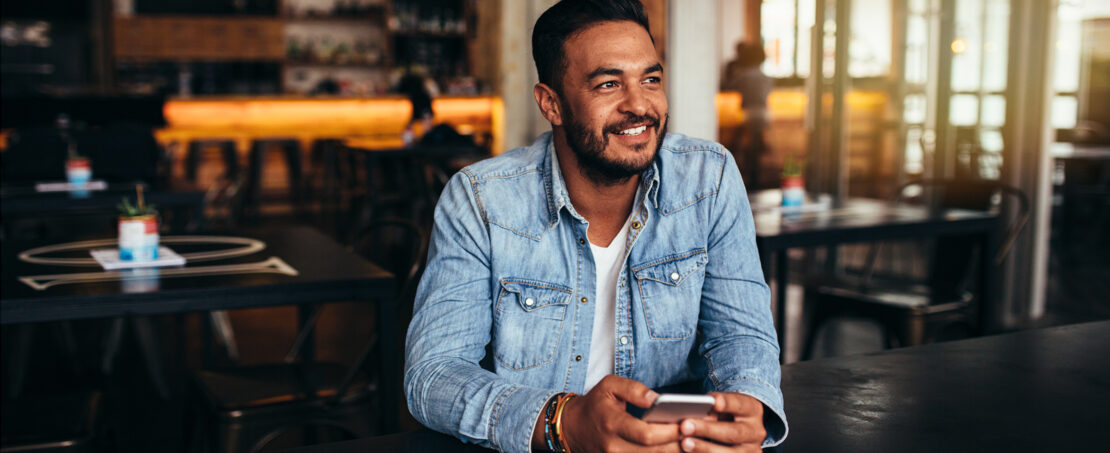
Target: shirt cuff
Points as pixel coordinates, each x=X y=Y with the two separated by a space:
x=514 y=417
x=774 y=418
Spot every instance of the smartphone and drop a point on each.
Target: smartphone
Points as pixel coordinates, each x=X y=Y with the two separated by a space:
x=674 y=407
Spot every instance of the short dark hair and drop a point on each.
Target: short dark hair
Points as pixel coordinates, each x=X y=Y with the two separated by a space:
x=568 y=17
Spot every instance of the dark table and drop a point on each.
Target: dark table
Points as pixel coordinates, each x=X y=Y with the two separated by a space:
x=20 y=201
x=860 y=220
x=298 y=265
x=1038 y=390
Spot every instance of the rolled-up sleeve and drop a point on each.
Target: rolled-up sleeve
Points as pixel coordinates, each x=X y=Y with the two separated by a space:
x=739 y=342
x=446 y=388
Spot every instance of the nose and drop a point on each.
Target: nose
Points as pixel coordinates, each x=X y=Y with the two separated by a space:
x=635 y=101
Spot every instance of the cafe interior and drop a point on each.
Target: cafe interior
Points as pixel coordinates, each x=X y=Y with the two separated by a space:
x=215 y=213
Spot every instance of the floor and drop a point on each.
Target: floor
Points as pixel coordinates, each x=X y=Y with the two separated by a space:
x=139 y=420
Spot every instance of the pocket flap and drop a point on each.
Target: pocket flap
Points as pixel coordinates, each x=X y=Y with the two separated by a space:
x=672 y=270
x=533 y=294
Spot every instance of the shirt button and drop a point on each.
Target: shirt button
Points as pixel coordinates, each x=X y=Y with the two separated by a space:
x=529 y=301
x=581 y=241
x=624 y=340
x=577 y=358
x=674 y=276
x=636 y=225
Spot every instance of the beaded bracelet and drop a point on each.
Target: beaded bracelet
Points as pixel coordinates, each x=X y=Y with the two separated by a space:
x=549 y=421
x=562 y=404
x=552 y=418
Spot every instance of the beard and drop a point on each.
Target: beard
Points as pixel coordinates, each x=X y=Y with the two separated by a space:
x=589 y=147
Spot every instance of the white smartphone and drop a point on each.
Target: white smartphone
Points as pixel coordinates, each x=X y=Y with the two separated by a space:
x=674 y=407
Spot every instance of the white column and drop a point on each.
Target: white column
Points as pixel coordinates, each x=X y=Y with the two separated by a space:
x=523 y=121
x=692 y=68
x=730 y=20
x=1026 y=160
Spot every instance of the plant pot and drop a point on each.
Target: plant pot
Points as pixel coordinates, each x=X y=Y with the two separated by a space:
x=138 y=238
x=793 y=191
x=78 y=170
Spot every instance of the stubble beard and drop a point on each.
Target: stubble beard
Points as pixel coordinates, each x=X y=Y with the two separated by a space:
x=589 y=148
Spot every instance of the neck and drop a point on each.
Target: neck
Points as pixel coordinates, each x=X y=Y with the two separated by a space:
x=605 y=204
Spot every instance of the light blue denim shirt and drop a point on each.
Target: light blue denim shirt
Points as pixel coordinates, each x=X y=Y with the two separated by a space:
x=504 y=313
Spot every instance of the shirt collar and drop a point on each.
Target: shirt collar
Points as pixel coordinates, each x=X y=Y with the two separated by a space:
x=559 y=198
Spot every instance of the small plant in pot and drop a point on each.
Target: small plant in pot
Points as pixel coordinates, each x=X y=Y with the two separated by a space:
x=78 y=169
x=793 y=184
x=138 y=229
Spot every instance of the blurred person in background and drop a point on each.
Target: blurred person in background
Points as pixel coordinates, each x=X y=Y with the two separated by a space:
x=743 y=75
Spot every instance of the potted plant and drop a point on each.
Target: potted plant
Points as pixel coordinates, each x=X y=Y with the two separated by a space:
x=78 y=170
x=138 y=229
x=793 y=184
x=78 y=167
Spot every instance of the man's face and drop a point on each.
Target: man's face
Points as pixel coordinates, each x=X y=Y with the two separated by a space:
x=614 y=109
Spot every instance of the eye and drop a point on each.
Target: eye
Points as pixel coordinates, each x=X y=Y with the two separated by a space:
x=607 y=85
x=653 y=80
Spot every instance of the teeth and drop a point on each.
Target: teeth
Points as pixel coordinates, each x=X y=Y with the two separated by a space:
x=634 y=131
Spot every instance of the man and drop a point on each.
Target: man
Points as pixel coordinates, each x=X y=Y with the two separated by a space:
x=606 y=259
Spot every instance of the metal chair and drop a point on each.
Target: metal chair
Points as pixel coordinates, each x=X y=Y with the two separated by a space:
x=913 y=313
x=246 y=408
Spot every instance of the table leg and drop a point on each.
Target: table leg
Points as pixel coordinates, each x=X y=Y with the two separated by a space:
x=16 y=373
x=307 y=347
x=391 y=365
x=987 y=276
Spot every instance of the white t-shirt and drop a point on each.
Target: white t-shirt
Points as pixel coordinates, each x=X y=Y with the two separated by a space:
x=609 y=262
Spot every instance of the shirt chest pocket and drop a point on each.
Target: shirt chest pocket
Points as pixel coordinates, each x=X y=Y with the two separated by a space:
x=529 y=322
x=670 y=293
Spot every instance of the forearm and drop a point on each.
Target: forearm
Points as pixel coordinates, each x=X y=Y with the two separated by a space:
x=459 y=398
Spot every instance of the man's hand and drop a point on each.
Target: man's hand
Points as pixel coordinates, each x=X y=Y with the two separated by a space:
x=738 y=426
x=597 y=421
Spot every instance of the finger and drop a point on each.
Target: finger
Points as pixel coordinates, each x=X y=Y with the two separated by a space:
x=729 y=433
x=694 y=445
x=737 y=404
x=640 y=432
x=628 y=390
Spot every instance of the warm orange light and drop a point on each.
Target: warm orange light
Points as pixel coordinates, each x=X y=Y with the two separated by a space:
x=307 y=119
x=787 y=104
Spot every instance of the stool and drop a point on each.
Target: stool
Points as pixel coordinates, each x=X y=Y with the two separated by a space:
x=291 y=148
x=197 y=148
x=324 y=173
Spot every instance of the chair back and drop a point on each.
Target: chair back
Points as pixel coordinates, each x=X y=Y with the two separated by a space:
x=954 y=257
x=399 y=246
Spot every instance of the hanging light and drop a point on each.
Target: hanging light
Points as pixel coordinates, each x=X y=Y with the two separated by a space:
x=959 y=46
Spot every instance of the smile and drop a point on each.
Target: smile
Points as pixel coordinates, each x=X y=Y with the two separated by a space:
x=634 y=131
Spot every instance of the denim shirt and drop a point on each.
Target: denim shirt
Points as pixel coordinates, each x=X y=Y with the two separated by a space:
x=503 y=316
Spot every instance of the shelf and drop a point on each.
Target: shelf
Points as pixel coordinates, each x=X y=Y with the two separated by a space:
x=427 y=34
x=309 y=64
x=359 y=20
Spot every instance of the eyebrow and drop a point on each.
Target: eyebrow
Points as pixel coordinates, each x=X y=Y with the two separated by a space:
x=657 y=67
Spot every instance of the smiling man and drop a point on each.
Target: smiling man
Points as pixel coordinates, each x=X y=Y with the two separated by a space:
x=568 y=279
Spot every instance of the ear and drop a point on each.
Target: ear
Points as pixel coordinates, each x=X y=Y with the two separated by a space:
x=548 y=102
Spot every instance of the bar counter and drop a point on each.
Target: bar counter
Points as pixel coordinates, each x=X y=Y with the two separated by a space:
x=243 y=119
